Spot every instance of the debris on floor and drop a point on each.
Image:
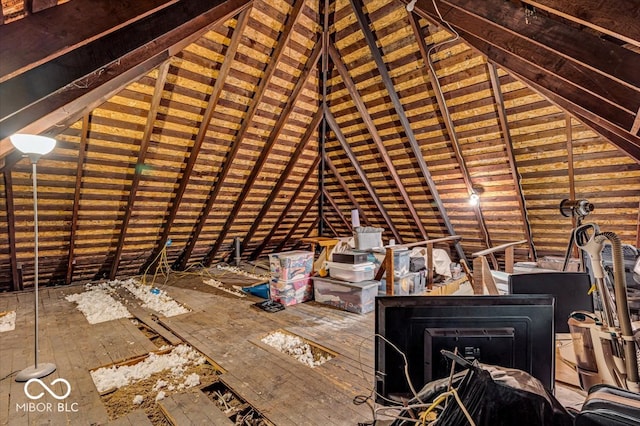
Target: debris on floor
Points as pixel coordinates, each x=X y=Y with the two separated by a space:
x=7 y=321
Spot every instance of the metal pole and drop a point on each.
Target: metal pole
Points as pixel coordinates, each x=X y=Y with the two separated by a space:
x=35 y=371
x=35 y=229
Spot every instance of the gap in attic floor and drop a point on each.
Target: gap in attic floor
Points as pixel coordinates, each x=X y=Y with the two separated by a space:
x=158 y=374
x=303 y=350
x=233 y=406
x=150 y=334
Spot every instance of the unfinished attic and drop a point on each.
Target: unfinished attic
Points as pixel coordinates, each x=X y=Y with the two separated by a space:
x=233 y=182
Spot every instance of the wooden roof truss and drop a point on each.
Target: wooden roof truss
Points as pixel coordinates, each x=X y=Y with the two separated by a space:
x=185 y=125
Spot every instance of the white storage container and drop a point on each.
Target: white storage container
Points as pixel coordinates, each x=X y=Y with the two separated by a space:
x=353 y=297
x=352 y=273
x=367 y=237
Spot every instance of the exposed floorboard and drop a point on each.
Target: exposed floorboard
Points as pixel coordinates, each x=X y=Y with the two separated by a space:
x=225 y=328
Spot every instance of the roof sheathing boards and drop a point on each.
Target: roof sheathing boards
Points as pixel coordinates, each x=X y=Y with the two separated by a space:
x=553 y=152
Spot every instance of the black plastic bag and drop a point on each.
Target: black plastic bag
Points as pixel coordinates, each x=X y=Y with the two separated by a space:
x=494 y=396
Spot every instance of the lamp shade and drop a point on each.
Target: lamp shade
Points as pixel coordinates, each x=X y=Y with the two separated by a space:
x=474 y=199
x=32 y=144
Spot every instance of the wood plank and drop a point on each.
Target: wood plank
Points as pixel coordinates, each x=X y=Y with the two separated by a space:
x=134 y=418
x=143 y=316
x=192 y=408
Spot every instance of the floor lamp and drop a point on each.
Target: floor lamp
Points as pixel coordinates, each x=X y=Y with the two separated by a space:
x=34 y=147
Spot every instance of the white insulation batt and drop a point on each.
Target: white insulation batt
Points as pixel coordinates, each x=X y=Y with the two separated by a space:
x=98 y=305
x=295 y=347
x=175 y=362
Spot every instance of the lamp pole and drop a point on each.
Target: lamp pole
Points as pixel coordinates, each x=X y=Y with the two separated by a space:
x=34 y=147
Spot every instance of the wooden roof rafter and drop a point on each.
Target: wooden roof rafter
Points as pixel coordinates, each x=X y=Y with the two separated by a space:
x=332 y=228
x=312 y=170
x=82 y=154
x=266 y=150
x=246 y=123
x=345 y=188
x=296 y=225
x=590 y=77
x=336 y=209
x=513 y=165
x=590 y=13
x=557 y=93
x=335 y=128
x=365 y=27
x=163 y=71
x=243 y=18
x=307 y=233
x=103 y=61
x=450 y=128
x=373 y=132
x=282 y=180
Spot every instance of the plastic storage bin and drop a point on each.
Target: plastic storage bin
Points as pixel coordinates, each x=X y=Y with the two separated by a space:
x=351 y=273
x=353 y=297
x=291 y=292
x=368 y=237
x=405 y=285
x=401 y=262
x=291 y=265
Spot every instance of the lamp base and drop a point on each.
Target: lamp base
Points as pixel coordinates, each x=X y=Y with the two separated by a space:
x=34 y=372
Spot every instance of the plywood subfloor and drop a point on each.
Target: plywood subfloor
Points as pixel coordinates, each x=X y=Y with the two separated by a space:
x=225 y=328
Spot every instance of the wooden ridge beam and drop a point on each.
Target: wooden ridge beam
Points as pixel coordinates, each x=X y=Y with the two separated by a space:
x=296 y=225
x=246 y=123
x=335 y=208
x=513 y=165
x=82 y=154
x=137 y=169
x=345 y=188
x=264 y=154
x=282 y=180
x=331 y=121
x=373 y=132
x=61 y=77
x=230 y=54
x=363 y=21
x=16 y=281
x=258 y=250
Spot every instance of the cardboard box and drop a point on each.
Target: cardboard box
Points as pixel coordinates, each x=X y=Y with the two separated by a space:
x=291 y=265
x=292 y=291
x=353 y=297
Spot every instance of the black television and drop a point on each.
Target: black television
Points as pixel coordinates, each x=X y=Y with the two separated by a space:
x=515 y=331
x=571 y=290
